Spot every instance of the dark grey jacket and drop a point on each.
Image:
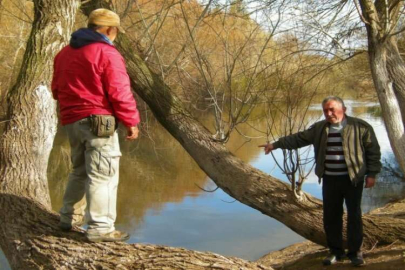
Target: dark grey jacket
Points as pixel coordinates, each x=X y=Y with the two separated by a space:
x=360 y=147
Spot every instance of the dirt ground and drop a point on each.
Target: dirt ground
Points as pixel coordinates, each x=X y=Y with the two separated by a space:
x=308 y=255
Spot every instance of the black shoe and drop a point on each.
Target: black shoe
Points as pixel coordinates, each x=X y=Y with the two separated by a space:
x=332 y=259
x=65 y=226
x=357 y=260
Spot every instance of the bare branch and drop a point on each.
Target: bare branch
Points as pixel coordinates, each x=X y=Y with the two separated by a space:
x=360 y=13
x=206 y=190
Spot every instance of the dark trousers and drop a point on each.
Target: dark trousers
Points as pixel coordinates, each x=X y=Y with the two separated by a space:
x=335 y=190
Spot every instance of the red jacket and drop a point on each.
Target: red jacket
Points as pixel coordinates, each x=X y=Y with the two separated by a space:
x=92 y=79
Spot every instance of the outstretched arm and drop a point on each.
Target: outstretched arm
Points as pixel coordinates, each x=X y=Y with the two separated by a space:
x=293 y=141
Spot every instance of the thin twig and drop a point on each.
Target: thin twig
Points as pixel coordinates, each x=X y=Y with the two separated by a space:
x=211 y=191
x=375 y=245
x=228 y=202
x=360 y=14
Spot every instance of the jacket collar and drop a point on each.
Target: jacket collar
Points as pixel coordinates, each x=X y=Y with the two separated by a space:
x=86 y=36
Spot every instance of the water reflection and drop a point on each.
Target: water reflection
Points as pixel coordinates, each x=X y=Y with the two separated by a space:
x=3 y=262
x=212 y=222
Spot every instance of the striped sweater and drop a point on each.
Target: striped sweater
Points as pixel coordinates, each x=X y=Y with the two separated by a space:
x=335 y=163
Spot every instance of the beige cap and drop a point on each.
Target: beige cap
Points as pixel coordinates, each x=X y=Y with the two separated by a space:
x=105 y=17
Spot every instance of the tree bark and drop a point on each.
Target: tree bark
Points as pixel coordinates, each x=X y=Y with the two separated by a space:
x=28 y=137
x=36 y=243
x=388 y=71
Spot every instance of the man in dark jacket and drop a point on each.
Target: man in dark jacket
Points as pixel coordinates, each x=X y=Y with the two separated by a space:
x=347 y=154
x=91 y=83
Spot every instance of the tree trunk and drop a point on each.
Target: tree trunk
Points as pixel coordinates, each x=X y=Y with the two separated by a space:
x=396 y=71
x=31 y=234
x=28 y=137
x=390 y=100
x=388 y=72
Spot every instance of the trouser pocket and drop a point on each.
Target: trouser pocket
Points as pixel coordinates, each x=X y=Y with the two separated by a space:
x=104 y=163
x=101 y=189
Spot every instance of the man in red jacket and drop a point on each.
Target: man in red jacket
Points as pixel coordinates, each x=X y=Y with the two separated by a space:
x=90 y=79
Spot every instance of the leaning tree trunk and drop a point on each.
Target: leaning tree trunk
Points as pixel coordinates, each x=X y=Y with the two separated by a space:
x=387 y=69
x=29 y=235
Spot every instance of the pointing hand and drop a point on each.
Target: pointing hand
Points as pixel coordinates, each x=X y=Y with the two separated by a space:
x=267 y=148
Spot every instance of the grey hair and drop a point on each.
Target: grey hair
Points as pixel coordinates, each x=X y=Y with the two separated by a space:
x=334 y=98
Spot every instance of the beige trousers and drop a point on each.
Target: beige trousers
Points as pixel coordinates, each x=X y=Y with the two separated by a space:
x=95 y=175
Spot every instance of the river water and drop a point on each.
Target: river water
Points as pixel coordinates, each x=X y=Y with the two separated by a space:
x=160 y=200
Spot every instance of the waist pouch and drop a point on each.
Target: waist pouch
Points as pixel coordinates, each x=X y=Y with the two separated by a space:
x=102 y=125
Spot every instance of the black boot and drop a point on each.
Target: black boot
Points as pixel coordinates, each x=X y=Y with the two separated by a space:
x=357 y=259
x=332 y=259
